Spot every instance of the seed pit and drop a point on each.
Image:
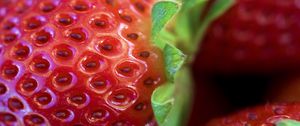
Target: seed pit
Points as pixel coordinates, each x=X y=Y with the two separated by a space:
x=100 y=83
x=80 y=6
x=92 y=62
x=126 y=18
x=8 y=118
x=34 y=119
x=77 y=35
x=29 y=85
x=98 y=115
x=63 y=80
x=8 y=38
x=43 y=99
x=79 y=100
x=8 y=25
x=144 y=54
x=34 y=22
x=122 y=98
x=40 y=64
x=109 y=46
x=65 y=19
x=10 y=70
x=139 y=6
x=127 y=69
x=102 y=22
x=132 y=36
x=63 y=52
x=47 y=7
x=149 y=81
x=3 y=89
x=21 y=51
x=140 y=107
x=43 y=37
x=15 y=104
x=64 y=115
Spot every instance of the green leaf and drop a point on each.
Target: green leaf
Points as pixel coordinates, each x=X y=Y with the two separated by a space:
x=288 y=122
x=218 y=8
x=163 y=101
x=171 y=101
x=167 y=113
x=190 y=28
x=174 y=59
x=188 y=20
x=162 y=13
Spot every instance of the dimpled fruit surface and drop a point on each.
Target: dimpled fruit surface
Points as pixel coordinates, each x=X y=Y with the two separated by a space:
x=77 y=63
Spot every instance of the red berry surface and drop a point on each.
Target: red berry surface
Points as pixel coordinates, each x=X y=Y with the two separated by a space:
x=77 y=63
x=284 y=89
x=253 y=37
x=267 y=115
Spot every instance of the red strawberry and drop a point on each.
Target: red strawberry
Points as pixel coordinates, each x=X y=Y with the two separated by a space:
x=253 y=36
x=285 y=89
x=267 y=115
x=77 y=62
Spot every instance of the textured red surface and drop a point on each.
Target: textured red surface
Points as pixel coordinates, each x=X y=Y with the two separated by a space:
x=77 y=62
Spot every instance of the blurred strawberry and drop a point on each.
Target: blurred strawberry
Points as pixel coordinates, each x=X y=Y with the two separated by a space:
x=253 y=37
x=267 y=115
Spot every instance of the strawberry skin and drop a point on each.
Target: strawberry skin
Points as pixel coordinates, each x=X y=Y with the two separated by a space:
x=77 y=63
x=267 y=115
x=253 y=37
x=284 y=89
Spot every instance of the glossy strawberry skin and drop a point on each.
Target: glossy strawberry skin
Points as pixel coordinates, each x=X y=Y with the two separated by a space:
x=253 y=37
x=267 y=115
x=78 y=62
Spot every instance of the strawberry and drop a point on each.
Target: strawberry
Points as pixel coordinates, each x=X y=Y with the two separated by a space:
x=284 y=89
x=77 y=62
x=252 y=37
x=267 y=115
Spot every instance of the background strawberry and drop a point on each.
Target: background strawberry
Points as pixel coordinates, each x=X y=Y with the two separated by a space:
x=267 y=115
x=244 y=49
x=78 y=62
x=253 y=36
x=284 y=89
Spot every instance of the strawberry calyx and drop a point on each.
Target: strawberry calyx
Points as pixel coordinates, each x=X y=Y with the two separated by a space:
x=288 y=122
x=175 y=25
